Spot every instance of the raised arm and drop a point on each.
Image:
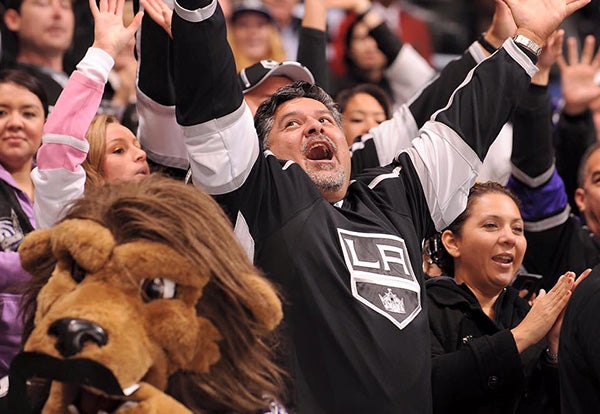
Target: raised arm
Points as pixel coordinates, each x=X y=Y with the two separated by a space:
x=376 y=148
x=158 y=132
x=466 y=130
x=59 y=177
x=312 y=43
x=575 y=130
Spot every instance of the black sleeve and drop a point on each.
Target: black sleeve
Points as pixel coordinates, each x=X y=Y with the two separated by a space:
x=386 y=41
x=533 y=152
x=573 y=135
x=497 y=84
x=206 y=80
x=156 y=79
x=437 y=93
x=312 y=47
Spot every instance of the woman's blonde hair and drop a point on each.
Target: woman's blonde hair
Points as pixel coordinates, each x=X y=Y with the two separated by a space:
x=96 y=136
x=276 y=51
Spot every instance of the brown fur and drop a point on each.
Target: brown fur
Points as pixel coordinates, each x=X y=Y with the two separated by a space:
x=210 y=346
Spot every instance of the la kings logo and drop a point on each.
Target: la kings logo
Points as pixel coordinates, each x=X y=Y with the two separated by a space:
x=381 y=275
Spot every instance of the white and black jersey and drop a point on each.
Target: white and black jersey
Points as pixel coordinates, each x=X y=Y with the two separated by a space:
x=356 y=329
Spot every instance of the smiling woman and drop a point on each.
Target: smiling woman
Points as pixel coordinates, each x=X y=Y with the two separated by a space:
x=23 y=109
x=505 y=349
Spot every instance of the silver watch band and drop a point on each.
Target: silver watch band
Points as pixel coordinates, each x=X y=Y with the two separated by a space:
x=528 y=44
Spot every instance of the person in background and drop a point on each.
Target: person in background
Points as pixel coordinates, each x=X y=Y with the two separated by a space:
x=363 y=107
x=372 y=53
x=81 y=149
x=558 y=240
x=44 y=32
x=261 y=80
x=253 y=35
x=288 y=24
x=488 y=347
x=579 y=364
x=23 y=110
x=576 y=129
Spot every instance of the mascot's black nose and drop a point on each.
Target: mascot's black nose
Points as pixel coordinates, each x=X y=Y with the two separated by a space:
x=72 y=333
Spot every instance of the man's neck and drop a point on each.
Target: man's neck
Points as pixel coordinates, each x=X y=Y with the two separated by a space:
x=54 y=62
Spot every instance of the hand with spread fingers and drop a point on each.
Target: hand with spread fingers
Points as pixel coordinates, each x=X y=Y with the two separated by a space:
x=538 y=19
x=109 y=32
x=577 y=75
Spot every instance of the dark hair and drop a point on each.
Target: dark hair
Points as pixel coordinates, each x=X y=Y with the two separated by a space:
x=263 y=120
x=443 y=259
x=371 y=89
x=581 y=170
x=28 y=81
x=13 y=4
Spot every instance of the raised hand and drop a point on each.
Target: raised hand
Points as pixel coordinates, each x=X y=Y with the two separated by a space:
x=160 y=13
x=537 y=19
x=502 y=27
x=577 y=74
x=110 y=34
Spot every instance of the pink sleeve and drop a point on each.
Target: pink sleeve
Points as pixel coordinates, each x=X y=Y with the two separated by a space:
x=64 y=144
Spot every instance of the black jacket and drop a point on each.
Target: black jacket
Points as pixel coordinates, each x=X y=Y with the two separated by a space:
x=476 y=365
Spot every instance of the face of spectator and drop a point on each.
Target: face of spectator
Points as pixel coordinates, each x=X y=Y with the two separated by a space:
x=491 y=244
x=260 y=93
x=362 y=112
x=21 y=125
x=587 y=196
x=251 y=33
x=363 y=50
x=281 y=10
x=305 y=131
x=124 y=158
x=43 y=26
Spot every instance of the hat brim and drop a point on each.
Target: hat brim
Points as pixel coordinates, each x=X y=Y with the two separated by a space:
x=291 y=70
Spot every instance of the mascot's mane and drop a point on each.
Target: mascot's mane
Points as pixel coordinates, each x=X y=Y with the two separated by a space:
x=192 y=224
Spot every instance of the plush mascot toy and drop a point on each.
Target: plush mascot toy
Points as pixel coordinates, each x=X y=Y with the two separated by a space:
x=142 y=301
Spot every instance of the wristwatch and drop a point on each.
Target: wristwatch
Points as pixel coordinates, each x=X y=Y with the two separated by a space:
x=528 y=44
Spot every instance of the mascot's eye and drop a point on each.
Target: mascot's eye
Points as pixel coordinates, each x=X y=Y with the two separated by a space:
x=159 y=288
x=77 y=272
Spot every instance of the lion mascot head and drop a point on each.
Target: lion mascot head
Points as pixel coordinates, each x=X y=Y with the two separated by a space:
x=142 y=301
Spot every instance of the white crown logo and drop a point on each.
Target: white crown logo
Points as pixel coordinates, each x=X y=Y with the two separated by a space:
x=392 y=303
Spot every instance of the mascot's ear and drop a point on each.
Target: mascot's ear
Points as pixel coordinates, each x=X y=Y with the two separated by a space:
x=89 y=243
x=35 y=252
x=266 y=306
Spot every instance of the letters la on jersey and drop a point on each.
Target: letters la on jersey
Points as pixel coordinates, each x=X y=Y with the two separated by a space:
x=381 y=275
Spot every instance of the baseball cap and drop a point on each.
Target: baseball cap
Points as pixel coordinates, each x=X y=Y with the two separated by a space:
x=255 y=6
x=254 y=75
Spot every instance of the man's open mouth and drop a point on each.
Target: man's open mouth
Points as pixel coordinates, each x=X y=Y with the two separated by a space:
x=319 y=150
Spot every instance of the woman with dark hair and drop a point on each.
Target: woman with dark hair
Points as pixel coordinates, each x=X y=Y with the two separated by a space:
x=372 y=53
x=23 y=110
x=363 y=107
x=492 y=352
